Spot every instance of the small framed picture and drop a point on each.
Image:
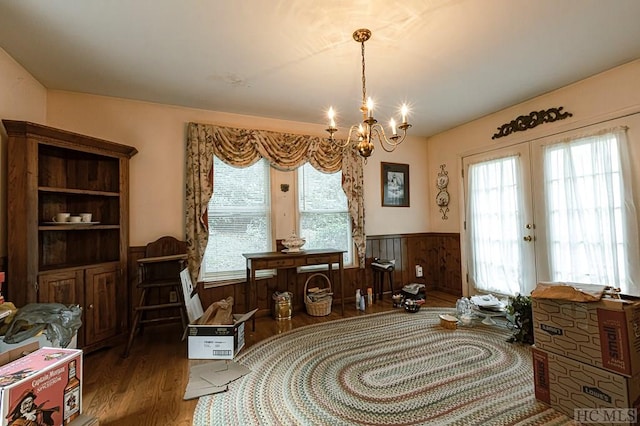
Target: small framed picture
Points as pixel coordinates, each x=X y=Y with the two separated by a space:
x=395 y=185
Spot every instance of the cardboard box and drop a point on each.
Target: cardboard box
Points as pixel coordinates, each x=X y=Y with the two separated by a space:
x=566 y=384
x=47 y=382
x=605 y=334
x=18 y=351
x=217 y=341
x=40 y=340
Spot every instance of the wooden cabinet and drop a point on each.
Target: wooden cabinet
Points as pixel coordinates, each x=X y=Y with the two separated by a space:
x=52 y=171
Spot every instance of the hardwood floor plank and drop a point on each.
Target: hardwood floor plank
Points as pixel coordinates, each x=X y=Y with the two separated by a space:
x=147 y=387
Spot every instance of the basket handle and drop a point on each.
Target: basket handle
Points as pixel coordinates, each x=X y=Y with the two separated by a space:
x=315 y=275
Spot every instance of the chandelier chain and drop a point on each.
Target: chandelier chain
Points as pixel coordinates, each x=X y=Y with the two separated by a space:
x=364 y=81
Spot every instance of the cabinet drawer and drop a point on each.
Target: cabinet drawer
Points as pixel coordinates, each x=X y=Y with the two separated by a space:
x=280 y=263
x=322 y=259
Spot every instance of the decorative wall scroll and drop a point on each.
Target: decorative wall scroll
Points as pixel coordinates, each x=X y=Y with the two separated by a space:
x=442 y=199
x=525 y=122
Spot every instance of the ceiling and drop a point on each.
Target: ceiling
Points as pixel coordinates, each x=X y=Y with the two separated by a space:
x=452 y=61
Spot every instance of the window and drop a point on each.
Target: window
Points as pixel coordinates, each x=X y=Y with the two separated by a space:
x=239 y=219
x=585 y=205
x=323 y=212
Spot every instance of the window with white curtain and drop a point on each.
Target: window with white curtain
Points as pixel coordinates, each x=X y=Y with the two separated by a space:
x=239 y=218
x=584 y=229
x=323 y=212
x=495 y=210
x=591 y=221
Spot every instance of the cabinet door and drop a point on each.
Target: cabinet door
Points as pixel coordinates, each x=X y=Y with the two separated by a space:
x=100 y=317
x=61 y=287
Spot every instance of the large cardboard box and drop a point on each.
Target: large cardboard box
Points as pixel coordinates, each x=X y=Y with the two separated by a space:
x=605 y=334
x=217 y=341
x=45 y=385
x=566 y=384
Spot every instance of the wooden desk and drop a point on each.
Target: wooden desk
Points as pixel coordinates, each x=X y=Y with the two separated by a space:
x=278 y=260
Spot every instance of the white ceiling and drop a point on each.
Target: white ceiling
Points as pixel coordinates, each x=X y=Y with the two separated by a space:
x=451 y=60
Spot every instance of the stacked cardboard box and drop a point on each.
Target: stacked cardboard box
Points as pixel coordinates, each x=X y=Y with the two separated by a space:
x=587 y=356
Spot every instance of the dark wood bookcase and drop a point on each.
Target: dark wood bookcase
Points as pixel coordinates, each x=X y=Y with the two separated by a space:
x=51 y=171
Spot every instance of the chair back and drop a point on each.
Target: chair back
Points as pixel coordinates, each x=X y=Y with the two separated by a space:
x=164 y=246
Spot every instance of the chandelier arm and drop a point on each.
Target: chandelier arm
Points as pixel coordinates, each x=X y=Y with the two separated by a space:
x=387 y=144
x=350 y=138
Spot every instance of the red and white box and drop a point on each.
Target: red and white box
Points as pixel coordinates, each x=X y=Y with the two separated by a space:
x=44 y=387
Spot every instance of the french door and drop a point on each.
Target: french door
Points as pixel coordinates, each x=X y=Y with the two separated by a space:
x=551 y=210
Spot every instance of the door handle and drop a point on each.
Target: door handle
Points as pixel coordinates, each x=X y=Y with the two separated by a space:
x=528 y=238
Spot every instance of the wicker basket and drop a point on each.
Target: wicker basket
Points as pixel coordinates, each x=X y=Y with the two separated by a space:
x=320 y=308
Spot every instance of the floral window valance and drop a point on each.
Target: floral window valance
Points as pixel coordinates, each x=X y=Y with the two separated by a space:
x=244 y=147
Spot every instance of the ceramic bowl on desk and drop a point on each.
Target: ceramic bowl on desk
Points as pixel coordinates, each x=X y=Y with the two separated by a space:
x=293 y=244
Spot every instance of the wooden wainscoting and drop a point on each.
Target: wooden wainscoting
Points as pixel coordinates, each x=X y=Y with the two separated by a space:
x=437 y=253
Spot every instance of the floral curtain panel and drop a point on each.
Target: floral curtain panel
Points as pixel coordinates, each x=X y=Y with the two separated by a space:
x=244 y=147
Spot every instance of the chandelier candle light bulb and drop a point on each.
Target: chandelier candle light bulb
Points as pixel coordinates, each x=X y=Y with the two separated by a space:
x=332 y=121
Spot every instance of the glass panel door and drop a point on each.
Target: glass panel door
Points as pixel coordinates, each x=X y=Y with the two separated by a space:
x=499 y=232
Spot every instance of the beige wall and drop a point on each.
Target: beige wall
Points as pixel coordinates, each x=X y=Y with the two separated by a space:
x=158 y=132
x=21 y=98
x=614 y=93
x=157 y=171
x=607 y=99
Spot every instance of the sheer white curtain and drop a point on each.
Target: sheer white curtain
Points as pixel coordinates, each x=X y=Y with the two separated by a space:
x=592 y=233
x=495 y=225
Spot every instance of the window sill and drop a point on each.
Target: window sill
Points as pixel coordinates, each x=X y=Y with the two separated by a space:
x=232 y=281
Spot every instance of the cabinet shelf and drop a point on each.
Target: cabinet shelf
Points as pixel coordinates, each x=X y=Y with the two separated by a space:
x=72 y=227
x=78 y=191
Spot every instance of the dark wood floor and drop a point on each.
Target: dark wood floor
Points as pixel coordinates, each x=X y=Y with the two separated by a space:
x=147 y=387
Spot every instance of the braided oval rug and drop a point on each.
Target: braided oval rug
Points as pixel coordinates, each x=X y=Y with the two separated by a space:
x=391 y=368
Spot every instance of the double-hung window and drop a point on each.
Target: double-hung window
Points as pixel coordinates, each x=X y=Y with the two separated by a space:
x=323 y=213
x=239 y=219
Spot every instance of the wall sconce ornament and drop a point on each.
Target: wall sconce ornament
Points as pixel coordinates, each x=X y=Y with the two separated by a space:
x=442 y=199
x=525 y=122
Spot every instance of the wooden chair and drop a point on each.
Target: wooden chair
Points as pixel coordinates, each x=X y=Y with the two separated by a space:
x=158 y=277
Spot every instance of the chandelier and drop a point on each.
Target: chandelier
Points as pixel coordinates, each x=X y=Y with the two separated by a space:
x=367 y=132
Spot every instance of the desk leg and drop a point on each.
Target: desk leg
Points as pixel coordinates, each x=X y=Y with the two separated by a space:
x=247 y=294
x=341 y=272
